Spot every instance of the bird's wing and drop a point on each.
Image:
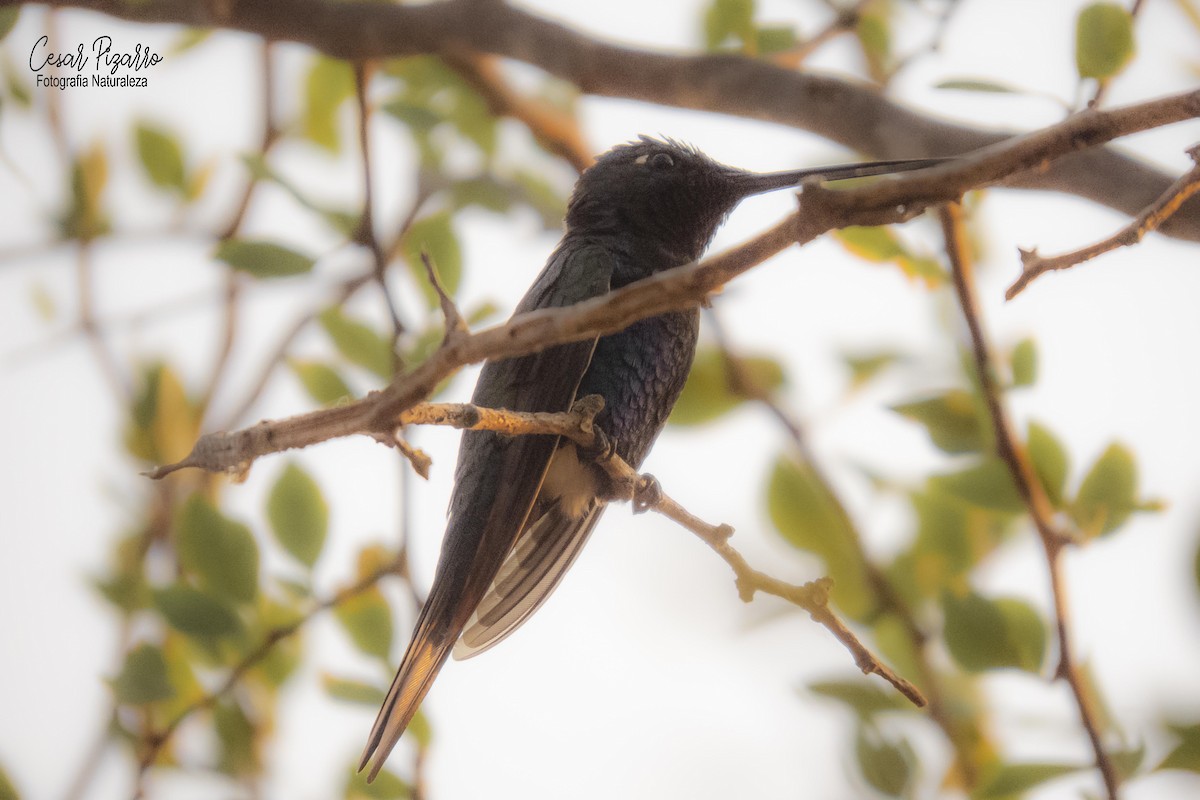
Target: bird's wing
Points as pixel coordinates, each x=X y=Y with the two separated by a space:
x=496 y=483
x=532 y=571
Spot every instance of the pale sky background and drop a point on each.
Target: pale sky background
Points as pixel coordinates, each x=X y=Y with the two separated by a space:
x=645 y=676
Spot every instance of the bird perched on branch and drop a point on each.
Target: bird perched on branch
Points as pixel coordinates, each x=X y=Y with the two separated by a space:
x=524 y=506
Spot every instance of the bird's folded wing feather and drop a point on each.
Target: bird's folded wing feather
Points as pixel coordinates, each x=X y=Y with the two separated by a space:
x=496 y=482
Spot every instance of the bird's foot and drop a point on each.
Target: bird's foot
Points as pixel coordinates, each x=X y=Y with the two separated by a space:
x=646 y=494
x=602 y=448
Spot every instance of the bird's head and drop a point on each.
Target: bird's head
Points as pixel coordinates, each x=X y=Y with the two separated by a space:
x=668 y=198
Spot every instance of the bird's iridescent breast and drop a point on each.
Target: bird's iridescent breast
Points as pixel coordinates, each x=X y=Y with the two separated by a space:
x=640 y=372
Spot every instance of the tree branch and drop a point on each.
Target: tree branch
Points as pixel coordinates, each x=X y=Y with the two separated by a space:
x=1152 y=217
x=846 y=112
x=1028 y=485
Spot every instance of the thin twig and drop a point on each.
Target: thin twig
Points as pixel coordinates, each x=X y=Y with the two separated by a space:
x=1028 y=486
x=742 y=381
x=1034 y=266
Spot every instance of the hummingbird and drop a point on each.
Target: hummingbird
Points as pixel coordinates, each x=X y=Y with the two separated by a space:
x=524 y=506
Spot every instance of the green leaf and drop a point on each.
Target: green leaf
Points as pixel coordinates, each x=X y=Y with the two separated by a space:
x=485 y=191
x=357 y=342
x=1108 y=494
x=1186 y=753
x=1011 y=780
x=195 y=613
x=952 y=420
x=977 y=85
x=367 y=618
x=161 y=156
x=435 y=235
x=84 y=217
x=1024 y=363
x=222 y=553
x=983 y=634
x=386 y=786
x=8 y=19
x=775 y=39
x=880 y=245
x=351 y=691
x=865 y=366
x=875 y=37
x=236 y=736
x=866 y=699
x=1128 y=762
x=809 y=518
x=321 y=381
x=1050 y=461
x=298 y=514
x=1103 y=40
x=143 y=678
x=729 y=19
x=544 y=198
x=987 y=485
x=886 y=765
x=708 y=394
x=7 y=790
x=329 y=83
x=342 y=221
x=263 y=259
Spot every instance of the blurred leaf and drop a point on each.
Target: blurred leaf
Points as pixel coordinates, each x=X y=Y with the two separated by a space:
x=8 y=19
x=284 y=656
x=485 y=191
x=865 y=366
x=988 y=485
x=143 y=678
x=1186 y=753
x=386 y=786
x=298 y=514
x=775 y=39
x=1108 y=494
x=1024 y=363
x=1012 y=780
x=543 y=197
x=1103 y=40
x=810 y=519
x=340 y=220
x=977 y=85
x=983 y=634
x=84 y=217
x=352 y=691
x=330 y=82
x=236 y=736
x=1050 y=461
x=952 y=420
x=707 y=394
x=729 y=19
x=7 y=790
x=321 y=381
x=43 y=302
x=367 y=619
x=1128 y=762
x=420 y=729
x=866 y=699
x=15 y=82
x=886 y=765
x=875 y=37
x=222 y=553
x=434 y=234
x=188 y=39
x=263 y=259
x=880 y=245
x=161 y=156
x=164 y=423
x=357 y=342
x=195 y=613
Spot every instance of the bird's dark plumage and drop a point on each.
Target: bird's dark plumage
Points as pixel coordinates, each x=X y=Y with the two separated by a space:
x=524 y=506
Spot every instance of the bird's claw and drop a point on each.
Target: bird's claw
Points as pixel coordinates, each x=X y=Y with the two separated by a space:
x=602 y=448
x=647 y=494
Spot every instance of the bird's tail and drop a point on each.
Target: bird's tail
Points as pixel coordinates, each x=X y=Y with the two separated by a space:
x=427 y=651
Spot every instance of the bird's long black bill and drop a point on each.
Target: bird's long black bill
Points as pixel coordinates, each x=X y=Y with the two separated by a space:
x=758 y=182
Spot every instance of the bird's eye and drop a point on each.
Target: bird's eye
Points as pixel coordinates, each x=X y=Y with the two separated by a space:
x=662 y=161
